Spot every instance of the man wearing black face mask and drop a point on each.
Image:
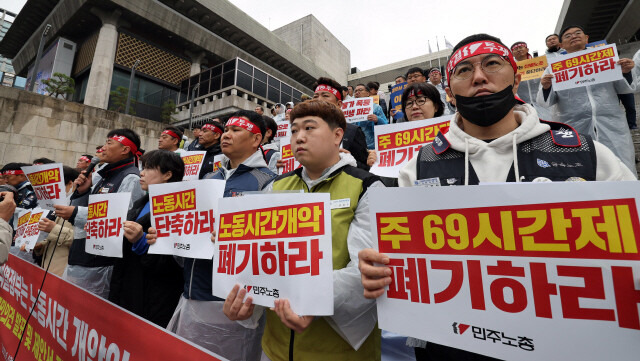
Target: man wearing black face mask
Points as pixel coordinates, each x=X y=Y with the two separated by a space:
x=490 y=127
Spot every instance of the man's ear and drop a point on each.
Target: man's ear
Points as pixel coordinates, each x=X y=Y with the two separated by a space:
x=450 y=95
x=516 y=82
x=339 y=135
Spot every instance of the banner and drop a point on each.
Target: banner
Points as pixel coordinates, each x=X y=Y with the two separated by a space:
x=47 y=181
x=397 y=144
x=587 y=67
x=283 y=131
x=192 y=164
x=395 y=100
x=528 y=271
x=106 y=216
x=357 y=110
x=30 y=233
x=69 y=323
x=288 y=160
x=183 y=214
x=277 y=246
x=532 y=68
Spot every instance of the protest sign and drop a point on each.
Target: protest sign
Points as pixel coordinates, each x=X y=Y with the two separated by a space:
x=47 y=181
x=22 y=221
x=532 y=68
x=534 y=271
x=587 y=67
x=192 y=164
x=357 y=110
x=397 y=144
x=277 y=246
x=183 y=214
x=288 y=160
x=106 y=216
x=395 y=99
x=30 y=233
x=69 y=323
x=376 y=99
x=283 y=131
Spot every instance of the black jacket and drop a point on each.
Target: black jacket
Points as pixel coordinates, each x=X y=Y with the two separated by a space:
x=147 y=285
x=355 y=142
x=207 y=163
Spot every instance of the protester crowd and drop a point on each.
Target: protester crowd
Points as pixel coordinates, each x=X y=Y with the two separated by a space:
x=500 y=125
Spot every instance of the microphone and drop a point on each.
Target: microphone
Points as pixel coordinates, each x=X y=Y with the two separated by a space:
x=94 y=162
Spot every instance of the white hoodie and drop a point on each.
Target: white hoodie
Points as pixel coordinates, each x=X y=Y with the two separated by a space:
x=492 y=161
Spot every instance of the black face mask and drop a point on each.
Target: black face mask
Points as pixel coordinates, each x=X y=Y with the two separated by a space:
x=486 y=110
x=553 y=49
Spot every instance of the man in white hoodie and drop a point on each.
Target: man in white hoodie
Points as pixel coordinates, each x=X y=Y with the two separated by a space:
x=493 y=137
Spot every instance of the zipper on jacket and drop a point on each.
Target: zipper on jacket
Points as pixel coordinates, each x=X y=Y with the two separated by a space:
x=293 y=334
x=193 y=265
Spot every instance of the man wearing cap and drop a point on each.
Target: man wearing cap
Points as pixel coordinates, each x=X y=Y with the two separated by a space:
x=244 y=170
x=119 y=175
x=83 y=162
x=210 y=142
x=15 y=177
x=170 y=140
x=593 y=109
x=195 y=145
x=435 y=78
x=529 y=88
x=491 y=125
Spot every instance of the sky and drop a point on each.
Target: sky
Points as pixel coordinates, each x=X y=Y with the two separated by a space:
x=380 y=32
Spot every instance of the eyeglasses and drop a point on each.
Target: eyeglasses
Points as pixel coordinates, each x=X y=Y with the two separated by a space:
x=414 y=76
x=419 y=100
x=358 y=90
x=490 y=64
x=568 y=36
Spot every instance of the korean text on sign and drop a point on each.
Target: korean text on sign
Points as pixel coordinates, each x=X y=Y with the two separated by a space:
x=357 y=110
x=279 y=243
x=30 y=233
x=396 y=144
x=105 y=219
x=288 y=160
x=48 y=184
x=587 y=67
x=482 y=257
x=532 y=68
x=183 y=215
x=192 y=164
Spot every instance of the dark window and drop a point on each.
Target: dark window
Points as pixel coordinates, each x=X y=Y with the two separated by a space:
x=244 y=81
x=228 y=66
x=296 y=96
x=260 y=75
x=215 y=83
x=244 y=67
x=273 y=82
x=228 y=79
x=274 y=95
x=284 y=88
x=204 y=87
x=284 y=98
x=259 y=88
x=216 y=70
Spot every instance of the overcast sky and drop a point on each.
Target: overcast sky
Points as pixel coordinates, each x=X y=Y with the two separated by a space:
x=379 y=32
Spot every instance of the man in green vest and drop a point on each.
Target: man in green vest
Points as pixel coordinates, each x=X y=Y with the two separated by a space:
x=317 y=128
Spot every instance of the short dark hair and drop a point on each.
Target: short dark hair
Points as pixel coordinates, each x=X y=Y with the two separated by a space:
x=373 y=85
x=70 y=174
x=216 y=124
x=14 y=166
x=349 y=86
x=415 y=69
x=569 y=27
x=88 y=155
x=129 y=134
x=260 y=106
x=253 y=117
x=175 y=130
x=476 y=37
x=43 y=161
x=164 y=161
x=345 y=89
x=365 y=87
x=320 y=108
x=270 y=124
x=548 y=36
x=429 y=91
x=197 y=126
x=401 y=76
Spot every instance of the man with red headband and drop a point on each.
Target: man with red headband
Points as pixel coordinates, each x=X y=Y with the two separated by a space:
x=119 y=175
x=15 y=177
x=83 y=162
x=244 y=170
x=209 y=141
x=491 y=125
x=170 y=140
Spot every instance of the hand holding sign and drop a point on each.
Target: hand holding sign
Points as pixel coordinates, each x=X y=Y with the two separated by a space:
x=132 y=231
x=290 y=319
x=374 y=278
x=234 y=307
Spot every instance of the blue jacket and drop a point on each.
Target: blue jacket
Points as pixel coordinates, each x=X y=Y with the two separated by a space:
x=367 y=126
x=251 y=175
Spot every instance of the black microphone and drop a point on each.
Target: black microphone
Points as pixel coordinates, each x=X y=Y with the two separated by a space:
x=94 y=162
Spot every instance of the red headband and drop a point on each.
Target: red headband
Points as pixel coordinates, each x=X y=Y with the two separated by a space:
x=100 y=150
x=127 y=143
x=244 y=124
x=85 y=159
x=413 y=94
x=172 y=134
x=330 y=89
x=212 y=128
x=435 y=71
x=517 y=45
x=13 y=172
x=478 y=48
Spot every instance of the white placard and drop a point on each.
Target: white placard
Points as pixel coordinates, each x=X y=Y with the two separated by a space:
x=31 y=234
x=20 y=223
x=357 y=110
x=184 y=214
x=284 y=131
x=47 y=181
x=192 y=164
x=105 y=220
x=587 y=67
x=398 y=143
x=277 y=246
x=288 y=160
x=536 y=271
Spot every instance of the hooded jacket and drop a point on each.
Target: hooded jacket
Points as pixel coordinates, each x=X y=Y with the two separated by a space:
x=207 y=163
x=493 y=161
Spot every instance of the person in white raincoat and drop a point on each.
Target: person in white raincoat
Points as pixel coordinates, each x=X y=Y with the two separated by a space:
x=593 y=109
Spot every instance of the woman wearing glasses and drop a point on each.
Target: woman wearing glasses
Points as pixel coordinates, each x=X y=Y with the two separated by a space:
x=421 y=101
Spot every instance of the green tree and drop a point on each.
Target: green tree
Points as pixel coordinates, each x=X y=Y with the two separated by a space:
x=119 y=100
x=168 y=109
x=59 y=84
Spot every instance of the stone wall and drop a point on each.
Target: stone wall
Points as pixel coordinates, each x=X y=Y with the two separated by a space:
x=34 y=126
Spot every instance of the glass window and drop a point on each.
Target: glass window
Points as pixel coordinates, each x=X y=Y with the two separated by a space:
x=244 y=81
x=228 y=79
x=274 y=82
x=204 y=87
x=284 y=88
x=260 y=88
x=244 y=67
x=228 y=66
x=216 y=83
x=274 y=95
x=284 y=98
x=296 y=96
x=216 y=70
x=260 y=75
